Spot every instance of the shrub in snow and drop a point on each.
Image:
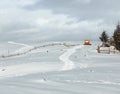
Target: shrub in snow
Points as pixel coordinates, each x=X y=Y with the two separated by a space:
x=104 y=39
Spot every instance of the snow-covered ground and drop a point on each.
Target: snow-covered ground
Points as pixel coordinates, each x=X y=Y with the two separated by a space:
x=59 y=70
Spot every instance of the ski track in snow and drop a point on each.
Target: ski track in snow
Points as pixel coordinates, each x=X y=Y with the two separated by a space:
x=94 y=82
x=68 y=64
x=15 y=43
x=23 y=49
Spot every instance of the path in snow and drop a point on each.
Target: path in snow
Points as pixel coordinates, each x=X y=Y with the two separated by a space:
x=104 y=82
x=16 y=43
x=23 y=49
x=68 y=64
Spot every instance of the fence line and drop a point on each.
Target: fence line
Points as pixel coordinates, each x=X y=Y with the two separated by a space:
x=34 y=48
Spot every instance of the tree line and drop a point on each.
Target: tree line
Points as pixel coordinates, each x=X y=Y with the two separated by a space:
x=111 y=41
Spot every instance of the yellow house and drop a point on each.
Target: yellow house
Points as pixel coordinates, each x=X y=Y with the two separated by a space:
x=87 y=42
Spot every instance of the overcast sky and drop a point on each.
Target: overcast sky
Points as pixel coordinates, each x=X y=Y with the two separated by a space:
x=57 y=20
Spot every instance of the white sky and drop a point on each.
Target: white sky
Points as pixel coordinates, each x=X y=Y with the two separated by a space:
x=47 y=20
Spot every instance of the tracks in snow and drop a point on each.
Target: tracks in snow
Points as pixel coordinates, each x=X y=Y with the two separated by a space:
x=68 y=64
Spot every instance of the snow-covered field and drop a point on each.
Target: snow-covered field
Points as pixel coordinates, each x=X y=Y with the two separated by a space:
x=58 y=70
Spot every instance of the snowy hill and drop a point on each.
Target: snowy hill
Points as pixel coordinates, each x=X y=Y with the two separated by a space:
x=59 y=69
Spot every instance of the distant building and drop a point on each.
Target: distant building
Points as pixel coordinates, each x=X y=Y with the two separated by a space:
x=107 y=50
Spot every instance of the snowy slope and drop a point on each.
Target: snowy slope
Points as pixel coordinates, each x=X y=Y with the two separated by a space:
x=60 y=70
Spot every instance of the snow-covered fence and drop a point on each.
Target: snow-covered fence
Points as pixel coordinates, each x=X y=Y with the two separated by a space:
x=34 y=48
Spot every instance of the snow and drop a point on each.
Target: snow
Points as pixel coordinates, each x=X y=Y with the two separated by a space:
x=65 y=58
x=23 y=69
x=59 y=70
